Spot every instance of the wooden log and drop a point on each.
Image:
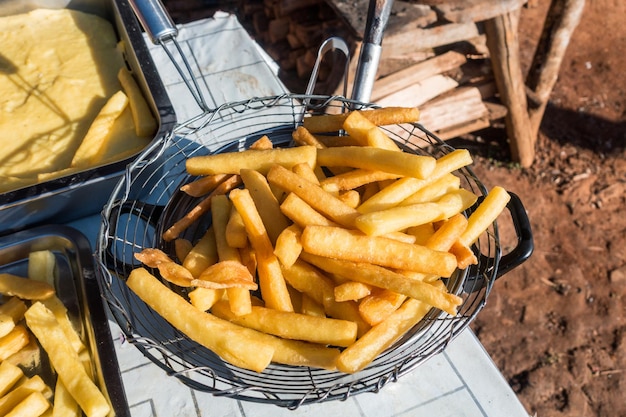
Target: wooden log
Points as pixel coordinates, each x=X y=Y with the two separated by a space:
x=416 y=73
x=561 y=21
x=464 y=128
x=503 y=44
x=420 y=92
x=411 y=40
x=463 y=105
x=460 y=11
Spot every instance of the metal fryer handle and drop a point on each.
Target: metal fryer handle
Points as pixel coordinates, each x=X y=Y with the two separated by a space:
x=377 y=17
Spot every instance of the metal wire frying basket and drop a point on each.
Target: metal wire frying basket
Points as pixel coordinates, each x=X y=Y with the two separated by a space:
x=147 y=201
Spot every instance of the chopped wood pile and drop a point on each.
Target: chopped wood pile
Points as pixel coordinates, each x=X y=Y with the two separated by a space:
x=434 y=57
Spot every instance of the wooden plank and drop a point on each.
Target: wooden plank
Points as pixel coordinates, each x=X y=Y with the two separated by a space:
x=463 y=105
x=503 y=44
x=420 y=92
x=417 y=39
x=416 y=73
x=460 y=11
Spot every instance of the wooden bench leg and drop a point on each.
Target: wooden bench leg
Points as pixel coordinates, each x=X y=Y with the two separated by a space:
x=503 y=44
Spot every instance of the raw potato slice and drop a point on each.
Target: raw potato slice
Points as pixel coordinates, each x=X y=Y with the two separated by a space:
x=144 y=121
x=93 y=145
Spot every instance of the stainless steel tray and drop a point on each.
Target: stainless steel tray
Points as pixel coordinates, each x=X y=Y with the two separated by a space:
x=77 y=287
x=77 y=195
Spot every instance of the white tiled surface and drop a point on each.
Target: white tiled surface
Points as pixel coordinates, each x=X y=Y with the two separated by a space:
x=461 y=381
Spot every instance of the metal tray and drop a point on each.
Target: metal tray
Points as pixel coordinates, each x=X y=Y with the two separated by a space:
x=80 y=194
x=77 y=287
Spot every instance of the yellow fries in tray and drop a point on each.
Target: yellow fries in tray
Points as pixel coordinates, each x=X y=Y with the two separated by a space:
x=304 y=267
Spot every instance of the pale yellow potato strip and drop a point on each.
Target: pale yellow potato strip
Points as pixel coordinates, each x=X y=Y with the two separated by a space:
x=64 y=404
x=41 y=266
x=239 y=346
x=384 y=278
x=485 y=214
x=14 y=307
x=309 y=280
x=145 y=123
x=33 y=405
x=322 y=201
x=295 y=326
x=13 y=341
x=271 y=280
x=381 y=336
x=266 y=203
x=434 y=190
x=59 y=310
x=353 y=246
x=302 y=214
x=380 y=305
x=6 y=324
x=354 y=179
x=239 y=298
x=367 y=133
x=288 y=247
x=203 y=185
x=377 y=159
x=236 y=231
x=303 y=137
x=203 y=254
x=65 y=361
x=256 y=159
x=351 y=290
x=94 y=142
x=25 y=288
x=306 y=172
x=9 y=375
x=380 y=117
x=395 y=219
x=402 y=189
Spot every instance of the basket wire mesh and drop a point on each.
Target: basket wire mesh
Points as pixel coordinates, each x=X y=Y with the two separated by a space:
x=148 y=197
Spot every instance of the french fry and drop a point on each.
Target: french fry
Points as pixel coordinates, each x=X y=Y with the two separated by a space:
x=353 y=246
x=65 y=360
x=464 y=255
x=6 y=324
x=56 y=306
x=395 y=219
x=201 y=208
x=380 y=117
x=351 y=197
x=144 y=121
x=256 y=159
x=170 y=271
x=265 y=201
x=291 y=325
x=379 y=305
x=204 y=298
x=203 y=254
x=33 y=405
x=367 y=133
x=354 y=179
x=301 y=213
x=308 y=280
x=238 y=295
x=381 y=336
x=182 y=247
x=14 y=308
x=421 y=232
x=236 y=231
x=351 y=291
x=448 y=233
x=264 y=142
x=13 y=285
x=93 y=144
x=9 y=375
x=20 y=391
x=314 y=195
x=434 y=190
x=402 y=189
x=288 y=247
x=238 y=345
x=383 y=278
x=311 y=307
x=64 y=404
x=303 y=137
x=306 y=172
x=377 y=159
x=271 y=280
x=41 y=266
x=203 y=185
x=485 y=214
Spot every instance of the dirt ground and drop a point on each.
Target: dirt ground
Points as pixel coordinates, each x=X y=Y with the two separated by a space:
x=556 y=326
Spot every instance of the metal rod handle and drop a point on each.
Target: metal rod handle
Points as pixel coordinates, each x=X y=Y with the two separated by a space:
x=154 y=19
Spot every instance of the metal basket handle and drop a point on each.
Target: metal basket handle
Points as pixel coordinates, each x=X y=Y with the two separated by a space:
x=525 y=244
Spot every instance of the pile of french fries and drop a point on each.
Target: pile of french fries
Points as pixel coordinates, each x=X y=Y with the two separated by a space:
x=32 y=318
x=346 y=238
